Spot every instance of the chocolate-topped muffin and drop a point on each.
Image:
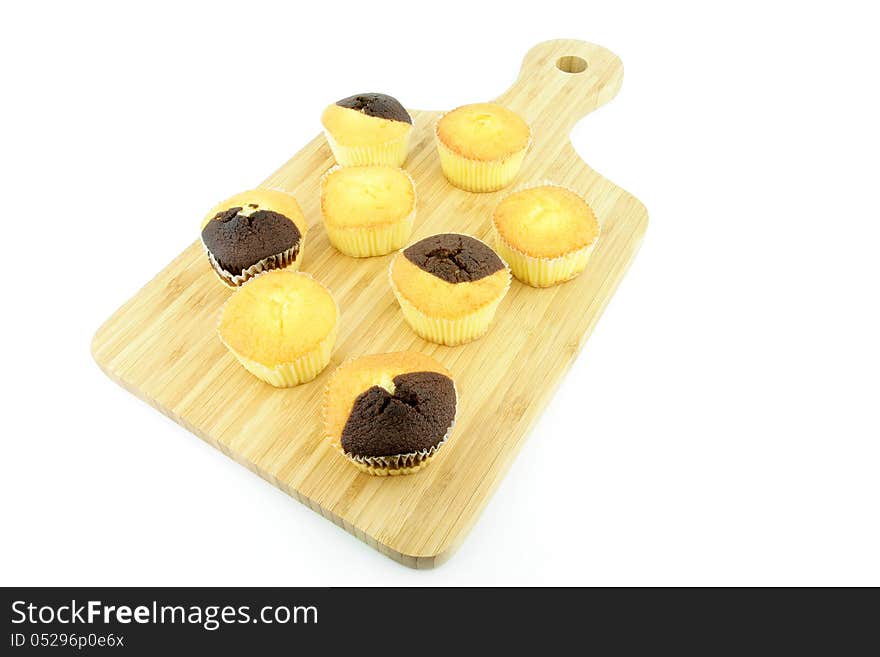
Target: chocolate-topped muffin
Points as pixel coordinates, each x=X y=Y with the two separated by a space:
x=252 y=232
x=368 y=128
x=390 y=413
x=449 y=287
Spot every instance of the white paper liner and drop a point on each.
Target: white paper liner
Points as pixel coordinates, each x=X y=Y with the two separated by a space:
x=392 y=152
x=290 y=257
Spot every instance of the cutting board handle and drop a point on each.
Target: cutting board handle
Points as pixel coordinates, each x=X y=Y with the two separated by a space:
x=560 y=82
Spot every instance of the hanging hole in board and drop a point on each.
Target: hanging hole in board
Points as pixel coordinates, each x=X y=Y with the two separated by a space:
x=571 y=64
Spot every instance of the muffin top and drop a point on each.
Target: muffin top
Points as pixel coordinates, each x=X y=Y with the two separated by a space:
x=375 y=104
x=449 y=275
x=365 y=196
x=546 y=221
x=365 y=119
x=483 y=131
x=389 y=404
x=277 y=316
x=251 y=226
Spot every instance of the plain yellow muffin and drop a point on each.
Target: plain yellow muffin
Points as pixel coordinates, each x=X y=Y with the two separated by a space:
x=368 y=128
x=389 y=413
x=252 y=232
x=482 y=146
x=368 y=210
x=281 y=326
x=449 y=287
x=546 y=233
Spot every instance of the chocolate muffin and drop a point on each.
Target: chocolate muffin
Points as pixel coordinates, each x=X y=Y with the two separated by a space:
x=390 y=413
x=449 y=287
x=368 y=128
x=253 y=232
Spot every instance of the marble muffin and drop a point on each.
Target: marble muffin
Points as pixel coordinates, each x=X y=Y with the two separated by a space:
x=252 y=232
x=449 y=287
x=390 y=413
x=368 y=128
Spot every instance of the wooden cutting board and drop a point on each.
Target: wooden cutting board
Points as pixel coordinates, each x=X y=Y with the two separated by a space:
x=163 y=347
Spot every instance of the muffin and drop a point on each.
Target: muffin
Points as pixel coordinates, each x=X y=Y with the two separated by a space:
x=546 y=233
x=390 y=413
x=252 y=232
x=368 y=129
x=368 y=210
x=281 y=326
x=449 y=287
x=482 y=146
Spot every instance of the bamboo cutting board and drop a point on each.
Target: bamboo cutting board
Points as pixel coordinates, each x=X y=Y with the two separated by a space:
x=163 y=347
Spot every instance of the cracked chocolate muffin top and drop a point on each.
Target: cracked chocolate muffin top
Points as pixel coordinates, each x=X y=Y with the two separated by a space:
x=413 y=415
x=240 y=237
x=385 y=405
x=449 y=275
x=454 y=258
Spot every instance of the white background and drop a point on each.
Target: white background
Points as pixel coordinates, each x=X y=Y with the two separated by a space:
x=721 y=425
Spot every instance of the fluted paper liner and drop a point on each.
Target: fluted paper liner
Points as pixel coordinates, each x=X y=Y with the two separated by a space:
x=289 y=259
x=392 y=152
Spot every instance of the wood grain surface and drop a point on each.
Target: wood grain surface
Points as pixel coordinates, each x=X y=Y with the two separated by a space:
x=163 y=347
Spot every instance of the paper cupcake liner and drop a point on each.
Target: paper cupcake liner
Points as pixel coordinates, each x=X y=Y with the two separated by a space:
x=289 y=259
x=397 y=464
x=392 y=152
x=443 y=330
x=300 y=370
x=373 y=241
x=543 y=272
x=368 y=241
x=303 y=369
x=478 y=176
